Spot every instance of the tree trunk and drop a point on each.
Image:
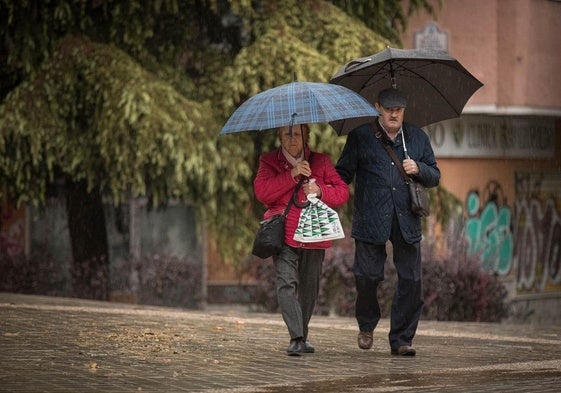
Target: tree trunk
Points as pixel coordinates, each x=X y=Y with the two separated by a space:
x=88 y=237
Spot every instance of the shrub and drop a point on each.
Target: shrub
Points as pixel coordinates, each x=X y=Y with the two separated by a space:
x=154 y=280
x=169 y=281
x=454 y=290
x=37 y=274
x=263 y=295
x=158 y=280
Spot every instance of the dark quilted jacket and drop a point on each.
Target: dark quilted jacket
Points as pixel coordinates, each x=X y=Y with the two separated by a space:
x=380 y=190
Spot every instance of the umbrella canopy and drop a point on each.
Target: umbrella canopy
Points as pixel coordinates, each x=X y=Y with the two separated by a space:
x=436 y=85
x=298 y=103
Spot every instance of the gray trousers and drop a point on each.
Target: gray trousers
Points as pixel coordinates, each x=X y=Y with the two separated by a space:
x=298 y=276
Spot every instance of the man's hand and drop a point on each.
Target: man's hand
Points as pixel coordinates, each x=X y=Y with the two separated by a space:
x=410 y=167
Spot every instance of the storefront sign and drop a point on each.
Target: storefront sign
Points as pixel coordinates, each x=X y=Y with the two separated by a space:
x=431 y=38
x=493 y=137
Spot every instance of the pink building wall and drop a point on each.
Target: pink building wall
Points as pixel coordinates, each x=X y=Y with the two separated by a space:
x=514 y=48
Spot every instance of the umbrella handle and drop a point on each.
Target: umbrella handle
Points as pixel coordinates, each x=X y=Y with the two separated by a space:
x=355 y=63
x=295 y=202
x=404 y=146
x=292 y=125
x=294 y=194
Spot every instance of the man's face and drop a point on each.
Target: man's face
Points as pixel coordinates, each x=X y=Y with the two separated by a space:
x=391 y=118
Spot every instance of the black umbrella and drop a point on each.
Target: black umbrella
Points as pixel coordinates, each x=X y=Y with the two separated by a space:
x=436 y=85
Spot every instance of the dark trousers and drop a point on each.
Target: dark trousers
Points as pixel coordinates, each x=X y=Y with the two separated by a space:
x=298 y=276
x=407 y=301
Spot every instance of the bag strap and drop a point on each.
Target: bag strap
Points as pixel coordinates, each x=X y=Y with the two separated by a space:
x=380 y=135
x=291 y=202
x=295 y=193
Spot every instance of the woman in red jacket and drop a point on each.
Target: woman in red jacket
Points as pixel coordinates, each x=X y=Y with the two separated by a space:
x=298 y=265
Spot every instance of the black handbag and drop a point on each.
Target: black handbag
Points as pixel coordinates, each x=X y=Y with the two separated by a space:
x=270 y=235
x=419 y=196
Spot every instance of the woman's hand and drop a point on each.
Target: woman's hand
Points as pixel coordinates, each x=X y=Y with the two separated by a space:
x=311 y=187
x=302 y=168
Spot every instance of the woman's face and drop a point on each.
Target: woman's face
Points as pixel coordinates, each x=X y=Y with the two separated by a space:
x=293 y=144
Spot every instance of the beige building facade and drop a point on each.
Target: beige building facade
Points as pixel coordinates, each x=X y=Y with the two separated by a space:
x=502 y=156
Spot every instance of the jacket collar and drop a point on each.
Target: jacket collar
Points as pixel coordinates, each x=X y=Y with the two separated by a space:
x=383 y=136
x=284 y=162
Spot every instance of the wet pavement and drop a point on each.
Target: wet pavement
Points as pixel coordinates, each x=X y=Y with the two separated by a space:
x=52 y=344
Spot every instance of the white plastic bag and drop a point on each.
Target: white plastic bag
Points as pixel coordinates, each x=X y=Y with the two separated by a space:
x=318 y=222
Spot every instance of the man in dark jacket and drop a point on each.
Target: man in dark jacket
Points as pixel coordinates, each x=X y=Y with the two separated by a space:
x=382 y=212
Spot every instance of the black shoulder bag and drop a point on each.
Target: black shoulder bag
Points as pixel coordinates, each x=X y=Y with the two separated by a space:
x=417 y=192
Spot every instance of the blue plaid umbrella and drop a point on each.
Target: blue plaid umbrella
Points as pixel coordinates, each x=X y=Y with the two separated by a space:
x=299 y=103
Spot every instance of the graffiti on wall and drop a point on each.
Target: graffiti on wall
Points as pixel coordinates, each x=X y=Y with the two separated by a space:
x=525 y=240
x=537 y=230
x=488 y=229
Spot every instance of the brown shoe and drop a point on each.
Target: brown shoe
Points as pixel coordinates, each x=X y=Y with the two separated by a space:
x=404 y=350
x=365 y=340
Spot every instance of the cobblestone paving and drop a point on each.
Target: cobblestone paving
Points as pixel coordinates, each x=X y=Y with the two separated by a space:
x=70 y=345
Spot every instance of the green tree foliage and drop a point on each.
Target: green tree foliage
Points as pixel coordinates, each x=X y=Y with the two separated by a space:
x=130 y=95
x=91 y=117
x=311 y=39
x=91 y=112
x=386 y=17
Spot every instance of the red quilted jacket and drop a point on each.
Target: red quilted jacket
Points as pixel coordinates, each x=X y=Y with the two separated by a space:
x=274 y=185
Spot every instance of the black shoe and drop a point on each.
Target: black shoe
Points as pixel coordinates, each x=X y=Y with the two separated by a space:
x=295 y=348
x=308 y=347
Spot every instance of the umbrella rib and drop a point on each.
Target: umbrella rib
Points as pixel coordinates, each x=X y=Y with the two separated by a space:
x=400 y=66
x=412 y=71
x=370 y=78
x=292 y=101
x=437 y=84
x=297 y=103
